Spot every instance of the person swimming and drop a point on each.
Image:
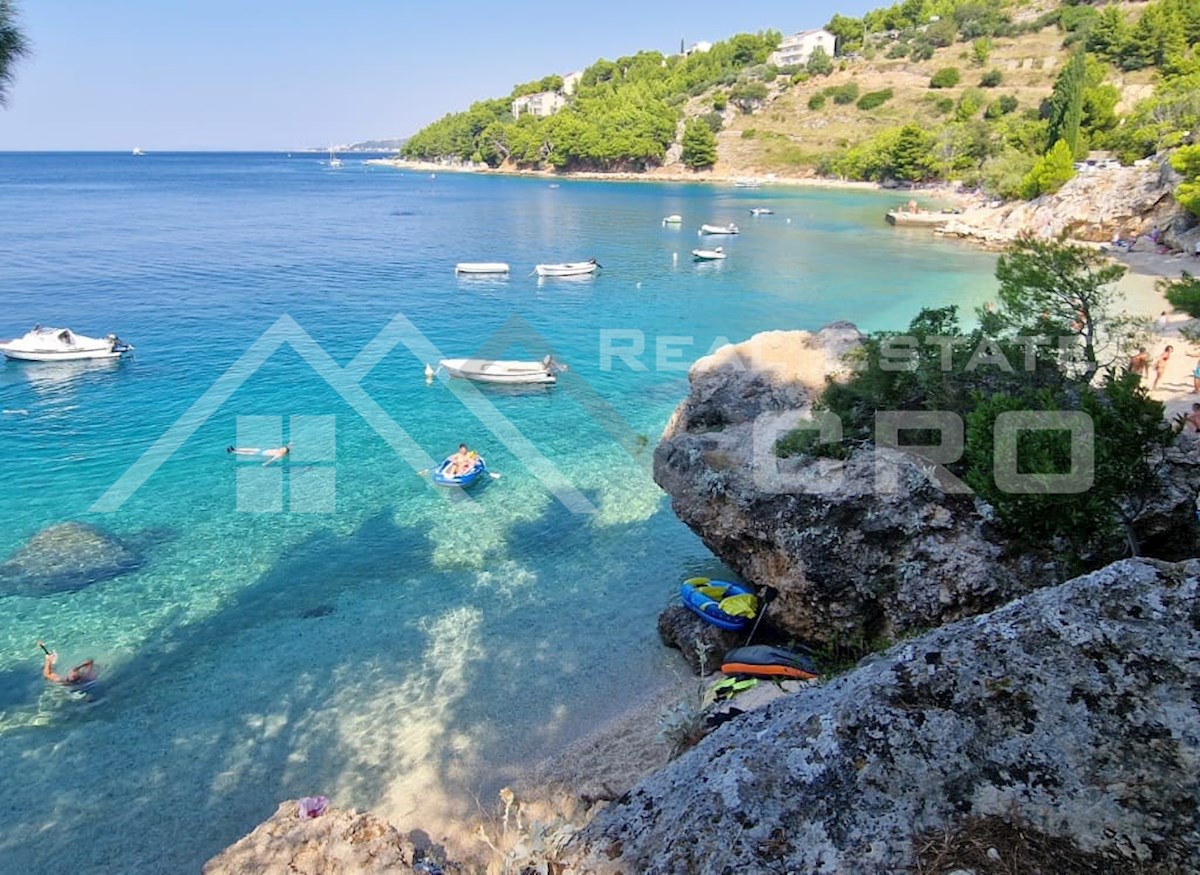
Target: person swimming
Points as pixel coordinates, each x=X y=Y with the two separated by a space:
x=80 y=676
x=272 y=454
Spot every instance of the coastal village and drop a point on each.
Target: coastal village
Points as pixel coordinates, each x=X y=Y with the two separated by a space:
x=934 y=660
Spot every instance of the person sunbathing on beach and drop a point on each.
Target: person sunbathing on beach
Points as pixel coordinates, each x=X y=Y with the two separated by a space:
x=83 y=673
x=1139 y=362
x=272 y=454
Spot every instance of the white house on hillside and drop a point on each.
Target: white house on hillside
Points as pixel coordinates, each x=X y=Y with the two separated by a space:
x=795 y=50
x=542 y=103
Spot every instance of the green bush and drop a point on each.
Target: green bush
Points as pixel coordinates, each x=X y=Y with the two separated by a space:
x=720 y=100
x=947 y=77
x=1183 y=293
x=749 y=134
x=991 y=79
x=817 y=101
x=843 y=94
x=899 y=50
x=872 y=99
x=944 y=105
x=921 y=51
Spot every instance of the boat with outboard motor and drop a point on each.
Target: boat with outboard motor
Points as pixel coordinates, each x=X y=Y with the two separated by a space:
x=62 y=345
x=508 y=372
x=719 y=229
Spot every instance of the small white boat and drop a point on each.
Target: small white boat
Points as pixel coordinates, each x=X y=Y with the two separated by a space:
x=506 y=372
x=719 y=229
x=673 y=219
x=746 y=183
x=138 y=152
x=708 y=254
x=762 y=211
x=334 y=160
x=62 y=345
x=570 y=268
x=480 y=267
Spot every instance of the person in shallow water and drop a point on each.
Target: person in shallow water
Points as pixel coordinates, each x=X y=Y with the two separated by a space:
x=83 y=673
x=272 y=454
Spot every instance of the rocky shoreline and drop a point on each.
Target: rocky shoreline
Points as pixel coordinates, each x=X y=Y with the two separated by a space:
x=1015 y=704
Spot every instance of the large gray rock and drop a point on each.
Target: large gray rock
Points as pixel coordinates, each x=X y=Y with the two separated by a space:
x=1072 y=711
x=1091 y=206
x=65 y=557
x=873 y=546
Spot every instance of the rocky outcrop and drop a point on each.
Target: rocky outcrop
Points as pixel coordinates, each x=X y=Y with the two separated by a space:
x=66 y=557
x=876 y=545
x=338 y=842
x=1071 y=711
x=1092 y=206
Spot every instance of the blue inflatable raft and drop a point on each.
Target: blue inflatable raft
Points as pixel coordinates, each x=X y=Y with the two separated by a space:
x=729 y=606
x=467 y=478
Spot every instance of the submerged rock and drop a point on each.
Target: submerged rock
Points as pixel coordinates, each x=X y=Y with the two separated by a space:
x=1071 y=711
x=66 y=557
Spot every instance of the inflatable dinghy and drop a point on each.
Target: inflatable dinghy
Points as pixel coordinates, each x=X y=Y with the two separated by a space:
x=728 y=606
x=765 y=661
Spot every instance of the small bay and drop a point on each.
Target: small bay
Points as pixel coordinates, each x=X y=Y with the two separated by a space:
x=402 y=652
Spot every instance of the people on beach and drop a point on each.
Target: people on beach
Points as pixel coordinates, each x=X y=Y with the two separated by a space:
x=1160 y=366
x=1162 y=321
x=1196 y=377
x=1192 y=419
x=83 y=673
x=462 y=461
x=1139 y=362
x=272 y=454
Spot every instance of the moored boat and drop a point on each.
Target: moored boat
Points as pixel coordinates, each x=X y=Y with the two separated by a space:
x=506 y=372
x=481 y=267
x=762 y=211
x=569 y=268
x=62 y=345
x=918 y=218
x=719 y=229
x=673 y=219
x=725 y=605
x=746 y=183
x=708 y=254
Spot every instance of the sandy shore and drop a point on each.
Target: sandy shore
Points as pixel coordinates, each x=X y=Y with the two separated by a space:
x=1141 y=297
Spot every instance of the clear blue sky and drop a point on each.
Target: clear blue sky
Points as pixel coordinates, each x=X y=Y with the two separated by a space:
x=288 y=74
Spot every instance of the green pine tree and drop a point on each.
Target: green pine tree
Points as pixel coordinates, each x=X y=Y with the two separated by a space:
x=911 y=158
x=1108 y=34
x=699 y=145
x=1050 y=173
x=1066 y=103
x=12 y=46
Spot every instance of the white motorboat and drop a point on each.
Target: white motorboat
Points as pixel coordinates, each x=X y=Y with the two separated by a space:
x=673 y=219
x=480 y=267
x=719 y=229
x=138 y=152
x=334 y=160
x=746 y=183
x=570 y=268
x=507 y=372
x=62 y=345
x=762 y=211
x=708 y=254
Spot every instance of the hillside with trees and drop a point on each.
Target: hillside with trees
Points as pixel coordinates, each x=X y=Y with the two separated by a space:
x=1005 y=96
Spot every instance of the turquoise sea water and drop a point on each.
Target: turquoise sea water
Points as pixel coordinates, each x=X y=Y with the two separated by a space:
x=395 y=650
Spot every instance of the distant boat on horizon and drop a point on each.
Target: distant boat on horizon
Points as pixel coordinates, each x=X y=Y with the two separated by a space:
x=137 y=151
x=334 y=160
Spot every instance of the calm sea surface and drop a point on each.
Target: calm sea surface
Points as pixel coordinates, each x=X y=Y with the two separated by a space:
x=369 y=640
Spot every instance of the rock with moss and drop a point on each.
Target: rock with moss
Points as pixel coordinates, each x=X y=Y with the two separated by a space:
x=1071 y=712
x=65 y=557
